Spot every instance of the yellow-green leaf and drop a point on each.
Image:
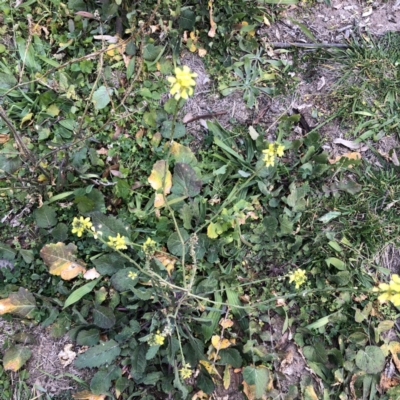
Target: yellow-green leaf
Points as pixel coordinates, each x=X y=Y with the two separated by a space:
x=160 y=180
x=15 y=357
x=61 y=260
x=21 y=303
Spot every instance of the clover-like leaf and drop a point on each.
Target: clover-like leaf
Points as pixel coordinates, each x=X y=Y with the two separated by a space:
x=160 y=180
x=21 y=303
x=15 y=357
x=61 y=260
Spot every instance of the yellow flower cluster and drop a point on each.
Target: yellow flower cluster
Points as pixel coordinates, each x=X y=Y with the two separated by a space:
x=298 y=277
x=186 y=371
x=182 y=83
x=157 y=339
x=79 y=225
x=118 y=242
x=390 y=291
x=274 y=150
x=149 y=247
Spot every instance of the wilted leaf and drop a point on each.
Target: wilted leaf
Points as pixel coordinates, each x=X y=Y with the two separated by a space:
x=219 y=343
x=309 y=393
x=4 y=138
x=160 y=177
x=226 y=323
x=253 y=133
x=394 y=348
x=257 y=376
x=86 y=395
x=62 y=261
x=213 y=29
x=183 y=154
x=21 y=303
x=66 y=356
x=91 y=274
x=15 y=357
x=167 y=260
x=346 y=157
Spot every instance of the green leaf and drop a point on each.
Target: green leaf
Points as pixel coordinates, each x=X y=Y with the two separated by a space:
x=187 y=19
x=371 y=360
x=179 y=130
x=103 y=353
x=131 y=68
x=336 y=263
x=77 y=294
x=93 y=201
x=109 y=264
x=138 y=360
x=151 y=352
x=151 y=52
x=108 y=225
x=15 y=357
x=257 y=376
x=174 y=243
x=329 y=216
x=7 y=81
x=88 y=337
x=121 y=280
x=101 y=97
x=214 y=316
x=231 y=357
x=179 y=385
x=103 y=317
x=27 y=255
x=60 y=232
x=100 y=383
x=185 y=181
x=170 y=106
x=21 y=303
x=45 y=217
x=9 y=165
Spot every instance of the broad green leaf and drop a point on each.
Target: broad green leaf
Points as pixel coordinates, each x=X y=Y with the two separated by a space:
x=60 y=232
x=61 y=260
x=339 y=264
x=77 y=294
x=109 y=264
x=151 y=52
x=371 y=360
x=187 y=19
x=151 y=352
x=103 y=317
x=21 y=303
x=166 y=130
x=9 y=165
x=231 y=357
x=27 y=54
x=131 y=68
x=174 y=243
x=108 y=225
x=121 y=280
x=259 y=377
x=15 y=357
x=101 y=97
x=27 y=255
x=45 y=217
x=88 y=337
x=7 y=81
x=103 y=353
x=185 y=181
x=100 y=383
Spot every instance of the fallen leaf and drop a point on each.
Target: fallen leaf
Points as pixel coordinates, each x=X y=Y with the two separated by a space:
x=91 y=274
x=351 y=156
x=86 y=395
x=202 y=52
x=350 y=144
x=66 y=356
x=249 y=390
x=219 y=343
x=213 y=29
x=226 y=323
x=185 y=119
x=107 y=38
x=85 y=14
x=167 y=260
x=394 y=348
x=4 y=138
x=253 y=133
x=200 y=395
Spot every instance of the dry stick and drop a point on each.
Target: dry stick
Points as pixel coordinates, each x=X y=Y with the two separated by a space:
x=22 y=147
x=285 y=45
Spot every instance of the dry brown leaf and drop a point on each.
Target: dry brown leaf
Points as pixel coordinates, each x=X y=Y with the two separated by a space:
x=87 y=395
x=167 y=260
x=4 y=138
x=394 y=348
x=200 y=395
x=350 y=156
x=249 y=390
x=226 y=323
x=66 y=356
x=213 y=29
x=91 y=274
x=219 y=343
x=202 y=52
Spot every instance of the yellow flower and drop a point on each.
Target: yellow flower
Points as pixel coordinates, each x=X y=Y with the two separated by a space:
x=118 y=243
x=185 y=371
x=390 y=292
x=182 y=83
x=132 y=275
x=273 y=150
x=157 y=339
x=298 y=277
x=79 y=225
x=149 y=246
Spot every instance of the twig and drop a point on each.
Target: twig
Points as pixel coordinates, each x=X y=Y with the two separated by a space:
x=209 y=115
x=285 y=45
